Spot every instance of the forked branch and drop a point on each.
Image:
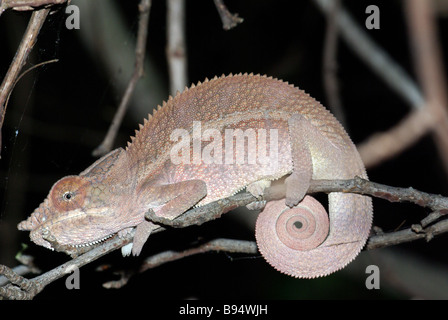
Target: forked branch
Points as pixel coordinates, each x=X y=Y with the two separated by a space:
x=434 y=224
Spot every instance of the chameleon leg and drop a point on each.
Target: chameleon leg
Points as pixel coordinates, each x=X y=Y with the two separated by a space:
x=257 y=189
x=298 y=182
x=174 y=200
x=179 y=197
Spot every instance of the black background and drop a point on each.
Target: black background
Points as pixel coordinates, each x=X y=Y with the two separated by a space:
x=61 y=111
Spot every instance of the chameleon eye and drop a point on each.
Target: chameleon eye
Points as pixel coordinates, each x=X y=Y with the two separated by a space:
x=68 y=193
x=67 y=196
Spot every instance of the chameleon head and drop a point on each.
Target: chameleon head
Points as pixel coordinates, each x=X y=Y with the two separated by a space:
x=70 y=215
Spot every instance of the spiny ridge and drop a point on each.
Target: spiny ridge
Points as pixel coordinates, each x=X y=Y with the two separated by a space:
x=196 y=102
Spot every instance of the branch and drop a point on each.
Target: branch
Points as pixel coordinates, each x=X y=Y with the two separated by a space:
x=429 y=66
x=140 y=49
x=224 y=245
x=26 y=45
x=23 y=5
x=429 y=113
x=417 y=123
x=330 y=64
x=21 y=288
x=228 y=19
x=374 y=56
x=385 y=145
x=176 y=50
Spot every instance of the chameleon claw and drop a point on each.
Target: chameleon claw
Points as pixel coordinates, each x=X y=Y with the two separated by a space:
x=151 y=216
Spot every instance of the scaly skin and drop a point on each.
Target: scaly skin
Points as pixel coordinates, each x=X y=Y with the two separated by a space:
x=113 y=195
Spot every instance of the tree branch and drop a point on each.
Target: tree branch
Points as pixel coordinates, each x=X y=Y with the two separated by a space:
x=23 y=5
x=374 y=56
x=26 y=45
x=330 y=66
x=428 y=112
x=224 y=245
x=176 y=50
x=140 y=49
x=428 y=228
x=429 y=66
x=386 y=145
x=228 y=19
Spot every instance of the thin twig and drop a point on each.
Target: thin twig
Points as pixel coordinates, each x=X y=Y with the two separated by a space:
x=213 y=210
x=26 y=267
x=142 y=34
x=417 y=123
x=217 y=245
x=15 y=291
x=228 y=19
x=27 y=71
x=374 y=56
x=20 y=288
x=412 y=233
x=176 y=50
x=26 y=45
x=225 y=245
x=429 y=66
x=23 y=5
x=385 y=145
x=330 y=64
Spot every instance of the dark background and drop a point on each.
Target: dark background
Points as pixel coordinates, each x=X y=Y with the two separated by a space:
x=59 y=112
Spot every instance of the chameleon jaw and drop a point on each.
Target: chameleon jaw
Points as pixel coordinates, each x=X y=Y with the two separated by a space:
x=52 y=235
x=93 y=243
x=49 y=241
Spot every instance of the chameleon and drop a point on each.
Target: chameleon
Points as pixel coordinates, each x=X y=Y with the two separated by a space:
x=187 y=154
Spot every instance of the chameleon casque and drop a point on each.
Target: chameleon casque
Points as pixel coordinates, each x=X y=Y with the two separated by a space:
x=296 y=235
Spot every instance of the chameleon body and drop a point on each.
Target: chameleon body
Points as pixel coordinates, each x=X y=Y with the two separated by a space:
x=161 y=170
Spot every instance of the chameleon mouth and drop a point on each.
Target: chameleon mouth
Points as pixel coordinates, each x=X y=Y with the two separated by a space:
x=92 y=243
x=52 y=236
x=70 y=247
